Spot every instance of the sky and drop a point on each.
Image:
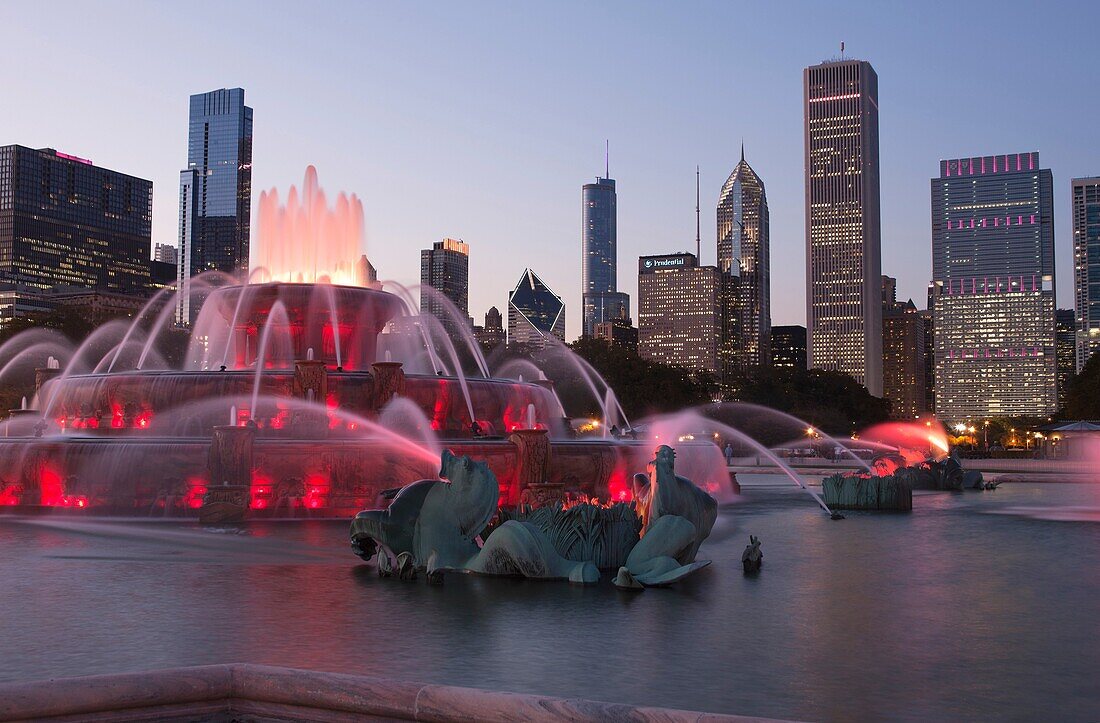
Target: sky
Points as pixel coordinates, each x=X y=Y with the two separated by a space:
x=482 y=120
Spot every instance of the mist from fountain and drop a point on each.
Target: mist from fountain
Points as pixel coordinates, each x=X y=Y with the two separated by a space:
x=670 y=428
x=801 y=424
x=276 y=321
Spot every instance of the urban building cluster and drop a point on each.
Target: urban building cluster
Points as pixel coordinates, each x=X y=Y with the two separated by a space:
x=990 y=340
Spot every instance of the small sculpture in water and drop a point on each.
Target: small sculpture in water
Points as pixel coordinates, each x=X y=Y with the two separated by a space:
x=436 y=526
x=752 y=558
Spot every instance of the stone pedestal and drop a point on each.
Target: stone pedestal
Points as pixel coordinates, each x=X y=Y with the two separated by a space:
x=389 y=382
x=532 y=463
x=43 y=375
x=311 y=376
x=310 y=383
x=229 y=467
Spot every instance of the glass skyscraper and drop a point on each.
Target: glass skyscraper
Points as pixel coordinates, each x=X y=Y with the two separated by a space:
x=993 y=276
x=535 y=313
x=67 y=222
x=1086 y=266
x=743 y=261
x=601 y=301
x=215 y=190
x=843 y=245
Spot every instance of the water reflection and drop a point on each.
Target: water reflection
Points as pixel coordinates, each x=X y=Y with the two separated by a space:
x=945 y=613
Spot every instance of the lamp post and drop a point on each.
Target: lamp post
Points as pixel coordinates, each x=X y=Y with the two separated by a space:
x=986 y=435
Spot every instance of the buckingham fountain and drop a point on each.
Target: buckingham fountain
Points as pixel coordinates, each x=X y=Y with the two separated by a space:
x=309 y=391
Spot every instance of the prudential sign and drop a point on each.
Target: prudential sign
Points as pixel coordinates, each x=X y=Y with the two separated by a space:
x=650 y=264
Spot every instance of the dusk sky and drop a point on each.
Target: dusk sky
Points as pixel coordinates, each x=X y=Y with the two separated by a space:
x=481 y=121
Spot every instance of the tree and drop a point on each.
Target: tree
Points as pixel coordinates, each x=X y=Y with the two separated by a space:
x=830 y=401
x=1083 y=393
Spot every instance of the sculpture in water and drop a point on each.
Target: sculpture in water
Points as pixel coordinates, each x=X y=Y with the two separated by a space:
x=436 y=526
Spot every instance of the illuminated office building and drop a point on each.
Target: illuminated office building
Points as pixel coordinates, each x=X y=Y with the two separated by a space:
x=678 y=312
x=743 y=261
x=788 y=347
x=65 y=222
x=1065 y=350
x=1086 y=266
x=993 y=269
x=903 y=365
x=843 y=255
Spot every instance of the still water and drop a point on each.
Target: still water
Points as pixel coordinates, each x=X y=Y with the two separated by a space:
x=974 y=606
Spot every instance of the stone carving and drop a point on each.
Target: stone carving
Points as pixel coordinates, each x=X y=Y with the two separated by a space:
x=752 y=558
x=856 y=492
x=436 y=526
x=586 y=530
x=668 y=494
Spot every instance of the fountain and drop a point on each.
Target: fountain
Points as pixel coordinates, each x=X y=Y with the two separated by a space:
x=336 y=392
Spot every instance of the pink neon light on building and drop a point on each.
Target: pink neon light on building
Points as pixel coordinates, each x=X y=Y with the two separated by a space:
x=77 y=159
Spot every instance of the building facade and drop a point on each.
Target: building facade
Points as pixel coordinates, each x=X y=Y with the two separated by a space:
x=166 y=253
x=843 y=247
x=445 y=276
x=993 y=271
x=1065 y=350
x=491 y=335
x=215 y=191
x=599 y=270
x=536 y=315
x=618 y=332
x=743 y=261
x=903 y=364
x=788 y=347
x=66 y=222
x=679 y=320
x=1086 y=266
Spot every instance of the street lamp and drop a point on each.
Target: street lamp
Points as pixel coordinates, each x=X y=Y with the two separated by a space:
x=986 y=434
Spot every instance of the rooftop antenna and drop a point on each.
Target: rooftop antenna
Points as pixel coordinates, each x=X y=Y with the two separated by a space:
x=742 y=150
x=606 y=158
x=697 y=247
x=841 y=49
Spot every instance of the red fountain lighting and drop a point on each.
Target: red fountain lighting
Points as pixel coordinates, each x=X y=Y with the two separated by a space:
x=261 y=491
x=196 y=489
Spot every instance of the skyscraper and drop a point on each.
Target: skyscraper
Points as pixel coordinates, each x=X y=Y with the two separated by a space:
x=743 y=261
x=1086 y=266
x=67 y=222
x=601 y=301
x=993 y=267
x=535 y=313
x=788 y=347
x=1065 y=343
x=215 y=190
x=445 y=268
x=843 y=254
x=903 y=365
x=679 y=319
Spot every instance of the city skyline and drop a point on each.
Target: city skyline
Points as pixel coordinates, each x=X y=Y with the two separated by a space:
x=419 y=122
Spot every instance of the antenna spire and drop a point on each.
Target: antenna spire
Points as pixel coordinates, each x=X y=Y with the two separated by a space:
x=697 y=244
x=607 y=158
x=742 y=150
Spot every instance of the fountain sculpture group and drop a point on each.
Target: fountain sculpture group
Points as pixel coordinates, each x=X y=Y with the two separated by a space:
x=440 y=526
